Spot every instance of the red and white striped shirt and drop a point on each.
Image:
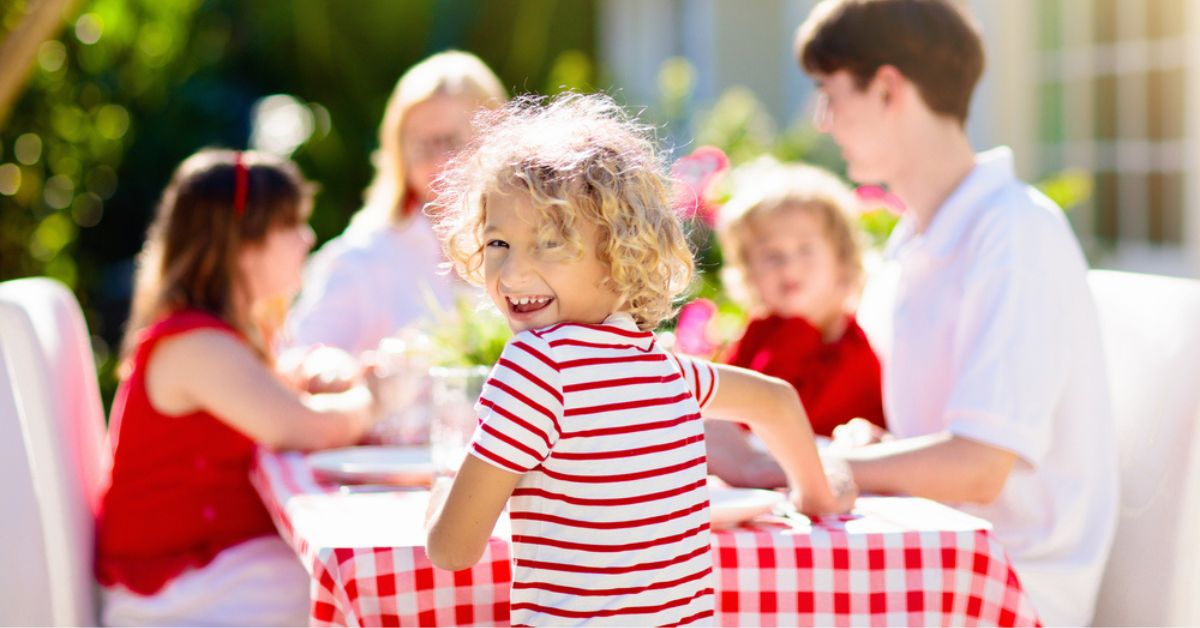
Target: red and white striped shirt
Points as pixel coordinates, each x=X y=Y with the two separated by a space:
x=610 y=522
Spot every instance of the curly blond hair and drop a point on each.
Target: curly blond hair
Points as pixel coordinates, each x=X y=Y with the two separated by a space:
x=766 y=188
x=575 y=158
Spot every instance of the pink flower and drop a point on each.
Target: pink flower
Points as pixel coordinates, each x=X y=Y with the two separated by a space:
x=691 y=333
x=693 y=176
x=876 y=197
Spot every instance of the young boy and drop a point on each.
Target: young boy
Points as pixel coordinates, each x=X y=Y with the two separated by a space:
x=589 y=430
x=993 y=375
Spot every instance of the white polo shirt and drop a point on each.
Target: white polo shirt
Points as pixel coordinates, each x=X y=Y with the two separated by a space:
x=986 y=328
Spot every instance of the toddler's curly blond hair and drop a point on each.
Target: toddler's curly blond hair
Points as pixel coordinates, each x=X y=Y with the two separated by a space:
x=768 y=188
x=575 y=158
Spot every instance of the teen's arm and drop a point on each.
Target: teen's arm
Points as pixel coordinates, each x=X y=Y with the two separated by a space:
x=1011 y=359
x=772 y=409
x=941 y=466
x=212 y=370
x=462 y=520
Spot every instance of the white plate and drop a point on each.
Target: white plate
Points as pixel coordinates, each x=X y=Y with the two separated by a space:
x=731 y=506
x=374 y=465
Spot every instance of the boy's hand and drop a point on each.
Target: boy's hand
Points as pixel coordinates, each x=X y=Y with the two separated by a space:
x=841 y=482
x=840 y=497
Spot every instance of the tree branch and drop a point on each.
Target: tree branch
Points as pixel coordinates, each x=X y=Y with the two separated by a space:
x=18 y=50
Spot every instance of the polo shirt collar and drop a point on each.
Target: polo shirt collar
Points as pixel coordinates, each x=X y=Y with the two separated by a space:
x=624 y=320
x=993 y=171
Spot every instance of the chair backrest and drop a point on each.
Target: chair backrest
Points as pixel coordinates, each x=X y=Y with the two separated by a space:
x=24 y=578
x=1151 y=331
x=52 y=376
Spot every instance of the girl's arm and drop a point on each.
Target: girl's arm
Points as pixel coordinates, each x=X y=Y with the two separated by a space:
x=772 y=409
x=461 y=522
x=214 y=371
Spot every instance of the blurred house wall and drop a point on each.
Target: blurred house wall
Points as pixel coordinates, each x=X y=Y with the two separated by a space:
x=1106 y=86
x=729 y=43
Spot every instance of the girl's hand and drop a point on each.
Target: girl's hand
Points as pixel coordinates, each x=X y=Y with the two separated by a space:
x=319 y=369
x=858 y=433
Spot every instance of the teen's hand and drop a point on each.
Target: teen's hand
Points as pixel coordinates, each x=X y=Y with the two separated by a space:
x=858 y=433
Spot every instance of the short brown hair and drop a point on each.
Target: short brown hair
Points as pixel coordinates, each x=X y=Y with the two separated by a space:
x=931 y=42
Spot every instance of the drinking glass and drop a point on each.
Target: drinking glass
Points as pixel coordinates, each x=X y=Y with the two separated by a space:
x=454 y=391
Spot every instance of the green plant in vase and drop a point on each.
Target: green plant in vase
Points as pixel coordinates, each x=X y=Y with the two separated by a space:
x=462 y=343
x=468 y=333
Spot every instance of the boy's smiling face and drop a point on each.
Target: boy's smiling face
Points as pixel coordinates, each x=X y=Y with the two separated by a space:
x=537 y=283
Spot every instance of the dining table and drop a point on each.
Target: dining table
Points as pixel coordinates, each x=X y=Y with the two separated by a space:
x=892 y=561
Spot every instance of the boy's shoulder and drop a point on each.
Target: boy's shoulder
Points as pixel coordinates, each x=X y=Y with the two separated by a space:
x=1023 y=228
x=1023 y=213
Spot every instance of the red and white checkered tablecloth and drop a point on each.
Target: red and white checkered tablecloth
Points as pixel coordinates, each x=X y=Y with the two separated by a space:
x=894 y=561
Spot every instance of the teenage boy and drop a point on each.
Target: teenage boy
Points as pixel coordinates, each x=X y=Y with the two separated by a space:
x=994 y=382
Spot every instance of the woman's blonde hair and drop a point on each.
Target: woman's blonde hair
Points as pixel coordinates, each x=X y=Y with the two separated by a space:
x=450 y=73
x=189 y=259
x=765 y=189
x=575 y=158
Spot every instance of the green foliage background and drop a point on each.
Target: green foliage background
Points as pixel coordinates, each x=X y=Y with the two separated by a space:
x=131 y=87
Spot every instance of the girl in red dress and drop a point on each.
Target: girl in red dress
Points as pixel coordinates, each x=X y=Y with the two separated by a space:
x=182 y=537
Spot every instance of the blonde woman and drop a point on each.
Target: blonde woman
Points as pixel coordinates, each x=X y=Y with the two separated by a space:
x=379 y=274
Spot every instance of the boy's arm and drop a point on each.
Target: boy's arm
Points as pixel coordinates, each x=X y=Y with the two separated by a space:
x=940 y=466
x=732 y=458
x=772 y=409
x=461 y=521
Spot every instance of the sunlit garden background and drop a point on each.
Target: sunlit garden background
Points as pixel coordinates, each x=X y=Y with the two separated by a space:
x=111 y=94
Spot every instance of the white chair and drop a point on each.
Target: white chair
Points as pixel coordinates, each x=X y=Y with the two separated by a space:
x=1151 y=332
x=23 y=574
x=49 y=390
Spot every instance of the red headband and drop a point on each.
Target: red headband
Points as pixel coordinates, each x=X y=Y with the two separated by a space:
x=241 y=184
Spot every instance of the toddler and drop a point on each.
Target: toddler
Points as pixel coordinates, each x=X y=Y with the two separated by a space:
x=792 y=251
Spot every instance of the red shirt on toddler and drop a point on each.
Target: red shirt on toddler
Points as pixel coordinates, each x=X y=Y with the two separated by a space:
x=180 y=488
x=837 y=381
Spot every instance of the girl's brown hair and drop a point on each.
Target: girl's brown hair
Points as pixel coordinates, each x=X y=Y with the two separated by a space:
x=189 y=259
x=452 y=73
